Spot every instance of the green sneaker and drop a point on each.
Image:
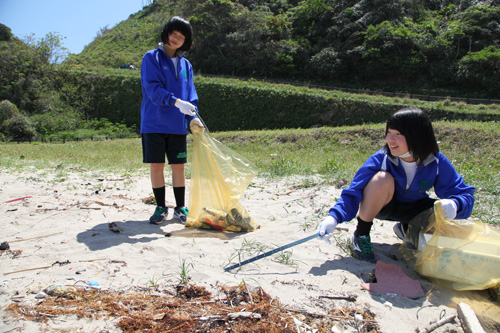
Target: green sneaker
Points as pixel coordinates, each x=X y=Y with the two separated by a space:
x=159 y=215
x=181 y=213
x=362 y=248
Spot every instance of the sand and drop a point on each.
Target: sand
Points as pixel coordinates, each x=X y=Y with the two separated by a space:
x=59 y=234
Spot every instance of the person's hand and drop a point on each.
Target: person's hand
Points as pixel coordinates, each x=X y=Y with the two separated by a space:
x=196 y=125
x=185 y=107
x=326 y=228
x=449 y=208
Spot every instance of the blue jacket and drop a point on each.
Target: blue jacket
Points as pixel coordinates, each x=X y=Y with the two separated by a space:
x=436 y=171
x=161 y=87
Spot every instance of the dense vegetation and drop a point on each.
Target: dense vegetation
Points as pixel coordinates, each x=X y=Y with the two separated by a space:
x=436 y=47
x=449 y=47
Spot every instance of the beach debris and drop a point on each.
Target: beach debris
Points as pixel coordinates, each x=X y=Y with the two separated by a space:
x=244 y=315
x=40 y=295
x=114 y=227
x=27 y=269
x=350 y=297
x=4 y=246
x=468 y=319
x=94 y=283
x=18 y=199
x=61 y=263
x=392 y=280
x=149 y=200
x=436 y=324
x=36 y=237
x=139 y=311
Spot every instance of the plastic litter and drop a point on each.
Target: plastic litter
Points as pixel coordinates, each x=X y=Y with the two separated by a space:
x=458 y=254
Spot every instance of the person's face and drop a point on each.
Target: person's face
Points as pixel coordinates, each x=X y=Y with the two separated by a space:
x=176 y=39
x=396 y=142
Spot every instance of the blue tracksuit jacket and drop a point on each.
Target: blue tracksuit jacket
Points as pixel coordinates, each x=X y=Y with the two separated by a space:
x=436 y=171
x=161 y=86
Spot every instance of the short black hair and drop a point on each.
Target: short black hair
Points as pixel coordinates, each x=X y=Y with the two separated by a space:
x=177 y=23
x=416 y=126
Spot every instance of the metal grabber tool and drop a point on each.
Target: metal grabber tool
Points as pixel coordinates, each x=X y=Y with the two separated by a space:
x=268 y=253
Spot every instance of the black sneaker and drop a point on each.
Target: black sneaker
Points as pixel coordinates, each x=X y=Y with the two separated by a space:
x=159 y=215
x=399 y=230
x=181 y=213
x=362 y=248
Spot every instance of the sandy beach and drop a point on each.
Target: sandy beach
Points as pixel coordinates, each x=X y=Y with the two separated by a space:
x=91 y=231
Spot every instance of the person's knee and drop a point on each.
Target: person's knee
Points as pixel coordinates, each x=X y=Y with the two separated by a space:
x=383 y=179
x=381 y=183
x=157 y=166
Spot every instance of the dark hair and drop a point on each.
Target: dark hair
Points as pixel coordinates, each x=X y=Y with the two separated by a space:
x=177 y=23
x=416 y=126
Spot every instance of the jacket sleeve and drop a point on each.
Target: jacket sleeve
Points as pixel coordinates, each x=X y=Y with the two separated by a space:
x=450 y=185
x=346 y=208
x=152 y=81
x=193 y=95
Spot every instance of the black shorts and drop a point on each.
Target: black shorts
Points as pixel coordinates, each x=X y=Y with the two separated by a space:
x=404 y=211
x=156 y=145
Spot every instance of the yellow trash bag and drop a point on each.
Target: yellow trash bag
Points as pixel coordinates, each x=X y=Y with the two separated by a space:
x=458 y=254
x=219 y=176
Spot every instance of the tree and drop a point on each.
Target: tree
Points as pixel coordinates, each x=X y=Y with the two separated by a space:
x=13 y=124
x=481 y=71
x=5 y=33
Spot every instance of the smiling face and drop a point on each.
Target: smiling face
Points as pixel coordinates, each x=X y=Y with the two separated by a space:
x=175 y=41
x=396 y=142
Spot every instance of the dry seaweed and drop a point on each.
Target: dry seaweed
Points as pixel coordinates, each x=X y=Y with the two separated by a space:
x=192 y=309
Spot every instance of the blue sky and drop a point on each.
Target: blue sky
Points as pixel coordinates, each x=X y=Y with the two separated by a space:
x=78 y=21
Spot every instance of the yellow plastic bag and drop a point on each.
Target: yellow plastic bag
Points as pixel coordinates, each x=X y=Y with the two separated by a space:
x=458 y=254
x=219 y=176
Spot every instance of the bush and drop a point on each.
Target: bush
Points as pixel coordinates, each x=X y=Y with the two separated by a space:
x=18 y=128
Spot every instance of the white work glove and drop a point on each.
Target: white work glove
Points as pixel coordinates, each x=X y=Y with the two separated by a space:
x=185 y=107
x=449 y=208
x=326 y=228
x=196 y=125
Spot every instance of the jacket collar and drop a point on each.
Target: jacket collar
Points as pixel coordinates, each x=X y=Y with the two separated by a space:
x=427 y=161
x=178 y=53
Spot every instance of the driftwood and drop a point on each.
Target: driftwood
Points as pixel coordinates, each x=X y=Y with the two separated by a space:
x=25 y=239
x=351 y=298
x=27 y=269
x=244 y=315
x=437 y=324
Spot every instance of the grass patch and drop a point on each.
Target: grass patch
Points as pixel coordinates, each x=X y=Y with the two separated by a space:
x=333 y=154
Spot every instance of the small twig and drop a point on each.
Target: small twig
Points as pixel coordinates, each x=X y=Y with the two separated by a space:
x=27 y=269
x=25 y=239
x=437 y=324
x=248 y=291
x=202 y=302
x=351 y=298
x=90 y=260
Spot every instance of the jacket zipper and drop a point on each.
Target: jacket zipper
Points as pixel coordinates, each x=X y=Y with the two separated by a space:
x=416 y=174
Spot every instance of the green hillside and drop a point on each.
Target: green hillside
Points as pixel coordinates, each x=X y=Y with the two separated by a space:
x=436 y=47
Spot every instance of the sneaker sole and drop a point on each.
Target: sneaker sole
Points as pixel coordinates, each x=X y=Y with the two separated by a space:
x=398 y=232
x=180 y=219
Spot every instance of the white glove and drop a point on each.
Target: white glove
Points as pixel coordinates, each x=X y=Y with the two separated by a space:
x=185 y=107
x=196 y=125
x=326 y=228
x=449 y=208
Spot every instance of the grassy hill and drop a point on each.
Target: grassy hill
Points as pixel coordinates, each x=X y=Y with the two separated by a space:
x=447 y=48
